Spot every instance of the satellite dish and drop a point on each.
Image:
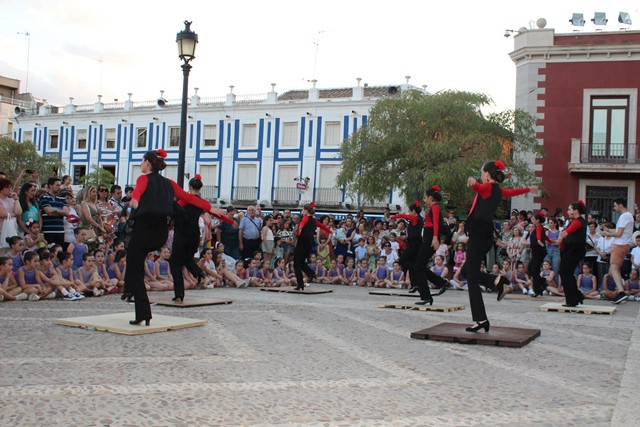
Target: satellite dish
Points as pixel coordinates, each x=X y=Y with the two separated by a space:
x=541 y=23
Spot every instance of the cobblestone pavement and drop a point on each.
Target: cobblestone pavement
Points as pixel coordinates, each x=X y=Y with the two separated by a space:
x=318 y=360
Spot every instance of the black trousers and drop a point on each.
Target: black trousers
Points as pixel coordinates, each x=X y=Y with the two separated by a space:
x=480 y=241
x=569 y=260
x=535 y=264
x=421 y=274
x=182 y=251
x=57 y=238
x=149 y=234
x=250 y=246
x=408 y=257
x=300 y=254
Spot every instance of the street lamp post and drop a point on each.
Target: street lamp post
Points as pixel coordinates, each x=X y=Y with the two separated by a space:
x=186 y=40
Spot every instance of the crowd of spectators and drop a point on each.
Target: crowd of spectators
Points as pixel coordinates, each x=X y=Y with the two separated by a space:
x=73 y=244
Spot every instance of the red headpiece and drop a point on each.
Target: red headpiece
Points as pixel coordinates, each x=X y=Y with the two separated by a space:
x=582 y=203
x=197 y=176
x=417 y=203
x=161 y=153
x=542 y=215
x=499 y=164
x=313 y=205
x=435 y=188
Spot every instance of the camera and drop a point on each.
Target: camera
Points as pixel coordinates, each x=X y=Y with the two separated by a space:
x=28 y=171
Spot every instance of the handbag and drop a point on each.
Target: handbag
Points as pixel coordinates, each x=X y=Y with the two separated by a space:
x=9 y=229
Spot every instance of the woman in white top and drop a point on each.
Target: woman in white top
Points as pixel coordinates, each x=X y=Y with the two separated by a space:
x=9 y=206
x=70 y=221
x=604 y=251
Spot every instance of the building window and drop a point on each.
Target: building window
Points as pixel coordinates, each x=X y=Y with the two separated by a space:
x=141 y=137
x=78 y=172
x=209 y=135
x=332 y=134
x=174 y=137
x=28 y=136
x=290 y=134
x=82 y=140
x=53 y=140
x=609 y=126
x=110 y=140
x=249 y=135
x=110 y=168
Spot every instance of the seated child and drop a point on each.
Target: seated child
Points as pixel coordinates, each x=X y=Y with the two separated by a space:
x=264 y=274
x=162 y=270
x=321 y=272
x=66 y=273
x=9 y=289
x=549 y=276
x=631 y=286
x=78 y=248
x=349 y=276
x=29 y=278
x=50 y=277
x=333 y=275
x=459 y=282
x=396 y=277
x=206 y=263
x=150 y=280
x=520 y=280
x=87 y=277
x=118 y=269
x=588 y=282
x=279 y=276
x=253 y=268
x=16 y=247
x=103 y=271
x=33 y=239
x=380 y=276
x=243 y=274
x=439 y=268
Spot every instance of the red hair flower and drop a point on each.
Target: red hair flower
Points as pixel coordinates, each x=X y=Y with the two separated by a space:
x=162 y=153
x=542 y=215
x=435 y=188
x=313 y=205
x=417 y=203
x=197 y=176
x=582 y=203
x=499 y=164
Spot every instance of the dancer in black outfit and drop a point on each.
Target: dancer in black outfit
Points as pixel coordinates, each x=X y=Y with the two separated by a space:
x=421 y=274
x=414 y=240
x=306 y=234
x=572 y=248
x=537 y=241
x=186 y=239
x=153 y=204
x=480 y=225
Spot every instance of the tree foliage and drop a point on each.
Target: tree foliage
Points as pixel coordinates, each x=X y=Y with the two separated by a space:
x=18 y=156
x=98 y=176
x=417 y=140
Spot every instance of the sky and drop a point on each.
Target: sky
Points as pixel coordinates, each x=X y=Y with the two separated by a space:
x=82 y=48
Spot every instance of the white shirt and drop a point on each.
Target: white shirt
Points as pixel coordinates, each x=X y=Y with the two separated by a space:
x=635 y=255
x=626 y=223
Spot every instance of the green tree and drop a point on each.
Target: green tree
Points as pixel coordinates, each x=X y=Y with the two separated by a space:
x=417 y=140
x=98 y=176
x=15 y=157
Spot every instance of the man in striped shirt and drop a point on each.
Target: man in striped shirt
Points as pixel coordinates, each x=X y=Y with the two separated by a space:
x=53 y=208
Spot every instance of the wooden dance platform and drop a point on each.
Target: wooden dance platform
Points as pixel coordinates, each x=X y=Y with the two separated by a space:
x=190 y=300
x=436 y=307
x=586 y=309
x=119 y=323
x=292 y=290
x=497 y=336
x=395 y=293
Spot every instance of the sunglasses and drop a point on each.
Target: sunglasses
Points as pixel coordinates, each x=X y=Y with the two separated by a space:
x=103 y=190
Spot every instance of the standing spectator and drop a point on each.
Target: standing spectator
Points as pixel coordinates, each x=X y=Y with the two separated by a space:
x=267 y=238
x=128 y=191
x=70 y=221
x=116 y=199
x=9 y=207
x=66 y=184
x=249 y=233
x=620 y=248
x=53 y=209
x=91 y=219
x=592 y=243
x=227 y=234
x=29 y=205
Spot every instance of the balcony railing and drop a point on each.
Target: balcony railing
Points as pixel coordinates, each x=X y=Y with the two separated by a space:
x=328 y=196
x=285 y=195
x=209 y=192
x=596 y=157
x=245 y=194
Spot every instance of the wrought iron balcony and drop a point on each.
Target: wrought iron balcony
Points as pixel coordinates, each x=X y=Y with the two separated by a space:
x=328 y=196
x=245 y=194
x=612 y=158
x=209 y=192
x=286 y=196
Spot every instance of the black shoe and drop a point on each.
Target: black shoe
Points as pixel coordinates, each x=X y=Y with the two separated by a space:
x=501 y=283
x=570 y=305
x=137 y=322
x=180 y=299
x=479 y=325
x=126 y=297
x=425 y=302
x=443 y=288
x=620 y=298
x=200 y=277
x=413 y=290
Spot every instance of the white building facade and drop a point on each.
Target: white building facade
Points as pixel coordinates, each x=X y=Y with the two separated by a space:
x=275 y=150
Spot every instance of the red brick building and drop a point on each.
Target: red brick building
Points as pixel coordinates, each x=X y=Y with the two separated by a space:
x=584 y=89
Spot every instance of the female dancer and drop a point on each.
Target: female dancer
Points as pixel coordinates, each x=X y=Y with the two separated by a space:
x=414 y=230
x=572 y=249
x=421 y=275
x=186 y=239
x=480 y=225
x=153 y=203
x=306 y=233
x=538 y=252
